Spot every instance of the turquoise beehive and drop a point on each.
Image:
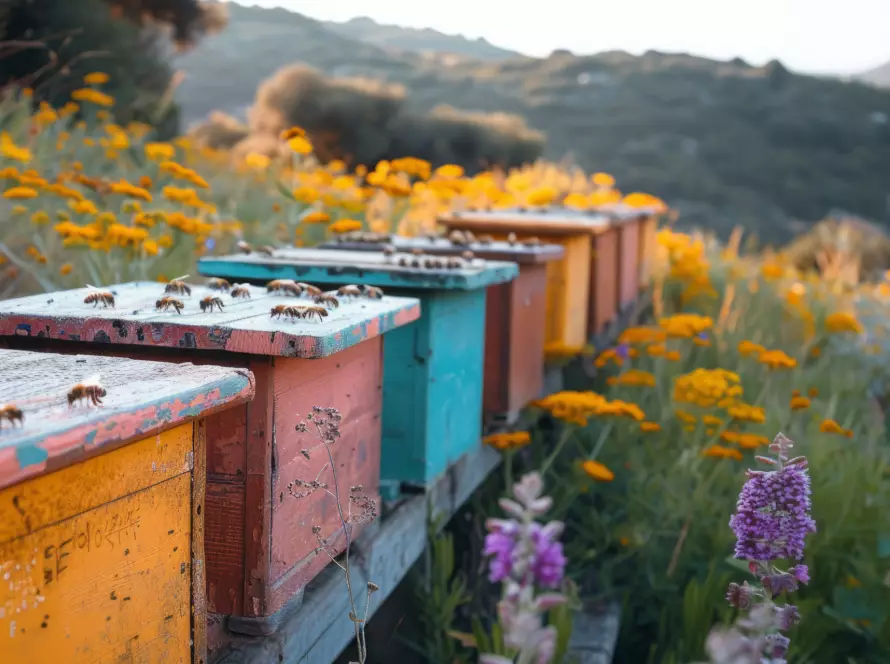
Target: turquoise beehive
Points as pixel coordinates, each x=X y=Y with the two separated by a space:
x=433 y=367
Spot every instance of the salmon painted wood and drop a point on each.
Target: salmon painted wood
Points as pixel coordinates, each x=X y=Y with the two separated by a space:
x=101 y=508
x=260 y=547
x=433 y=383
x=575 y=283
x=515 y=320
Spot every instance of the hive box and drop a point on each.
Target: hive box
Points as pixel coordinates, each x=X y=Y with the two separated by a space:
x=582 y=288
x=432 y=408
x=515 y=313
x=101 y=508
x=259 y=543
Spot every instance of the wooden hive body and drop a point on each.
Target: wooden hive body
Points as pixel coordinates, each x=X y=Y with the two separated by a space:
x=102 y=508
x=515 y=314
x=433 y=379
x=260 y=546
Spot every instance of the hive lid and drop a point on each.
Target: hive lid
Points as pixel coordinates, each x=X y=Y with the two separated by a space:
x=142 y=399
x=547 y=222
x=325 y=266
x=244 y=325
x=515 y=252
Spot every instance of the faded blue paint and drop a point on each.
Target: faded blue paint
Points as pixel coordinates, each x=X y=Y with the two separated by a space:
x=432 y=387
x=30 y=455
x=292 y=265
x=90 y=437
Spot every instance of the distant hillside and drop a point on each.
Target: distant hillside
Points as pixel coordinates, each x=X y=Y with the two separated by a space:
x=877 y=76
x=367 y=30
x=724 y=142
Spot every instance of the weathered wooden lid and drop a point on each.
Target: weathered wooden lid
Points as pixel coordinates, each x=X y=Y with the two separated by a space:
x=546 y=222
x=142 y=399
x=515 y=252
x=325 y=266
x=244 y=325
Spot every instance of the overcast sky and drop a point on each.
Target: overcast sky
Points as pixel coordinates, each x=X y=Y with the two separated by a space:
x=829 y=36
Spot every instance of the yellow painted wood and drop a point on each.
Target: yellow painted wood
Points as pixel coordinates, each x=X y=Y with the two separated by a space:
x=568 y=288
x=648 y=248
x=99 y=567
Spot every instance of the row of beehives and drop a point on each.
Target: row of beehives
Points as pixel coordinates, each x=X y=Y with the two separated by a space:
x=414 y=342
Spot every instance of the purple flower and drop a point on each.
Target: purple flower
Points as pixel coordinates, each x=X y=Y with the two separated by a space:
x=500 y=544
x=549 y=562
x=786 y=617
x=622 y=351
x=801 y=573
x=772 y=515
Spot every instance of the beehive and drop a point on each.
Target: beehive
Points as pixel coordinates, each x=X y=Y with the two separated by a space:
x=101 y=508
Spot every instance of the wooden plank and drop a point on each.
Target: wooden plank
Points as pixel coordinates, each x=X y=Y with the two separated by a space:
x=199 y=570
x=325 y=266
x=108 y=584
x=548 y=223
x=142 y=398
x=244 y=326
x=514 y=252
x=320 y=629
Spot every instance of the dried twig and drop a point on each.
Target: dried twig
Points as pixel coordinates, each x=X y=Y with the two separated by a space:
x=361 y=508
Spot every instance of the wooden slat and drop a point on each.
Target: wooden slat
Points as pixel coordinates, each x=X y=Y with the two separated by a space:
x=244 y=326
x=543 y=222
x=514 y=252
x=142 y=398
x=342 y=267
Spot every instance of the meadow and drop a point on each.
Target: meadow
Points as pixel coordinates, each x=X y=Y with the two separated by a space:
x=644 y=466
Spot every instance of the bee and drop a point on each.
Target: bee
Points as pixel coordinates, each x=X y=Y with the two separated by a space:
x=267 y=250
x=240 y=290
x=372 y=292
x=89 y=389
x=218 y=284
x=415 y=263
x=532 y=242
x=309 y=289
x=349 y=291
x=209 y=302
x=433 y=263
x=244 y=248
x=458 y=237
x=285 y=286
x=178 y=286
x=468 y=255
x=166 y=302
x=328 y=300
x=287 y=310
x=388 y=250
x=403 y=261
x=485 y=239
x=12 y=414
x=417 y=251
x=106 y=298
x=511 y=238
x=454 y=263
x=470 y=236
x=311 y=312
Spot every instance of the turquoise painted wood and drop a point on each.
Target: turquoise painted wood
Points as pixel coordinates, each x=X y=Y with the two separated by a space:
x=433 y=367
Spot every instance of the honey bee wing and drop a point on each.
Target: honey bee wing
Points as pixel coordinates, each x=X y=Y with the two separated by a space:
x=185 y=276
x=92 y=380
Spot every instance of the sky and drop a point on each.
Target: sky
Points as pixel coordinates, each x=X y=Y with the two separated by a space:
x=819 y=36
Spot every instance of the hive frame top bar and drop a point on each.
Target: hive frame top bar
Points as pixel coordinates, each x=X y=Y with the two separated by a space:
x=244 y=325
x=142 y=399
x=329 y=266
x=440 y=246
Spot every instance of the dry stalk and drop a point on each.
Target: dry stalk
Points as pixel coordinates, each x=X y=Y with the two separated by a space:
x=361 y=509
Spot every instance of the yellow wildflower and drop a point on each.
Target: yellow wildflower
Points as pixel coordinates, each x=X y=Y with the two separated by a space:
x=95 y=78
x=649 y=427
x=597 y=471
x=20 y=193
x=685 y=325
x=830 y=426
x=10 y=150
x=300 y=145
x=635 y=378
x=843 y=322
x=92 y=96
x=799 y=403
x=720 y=452
x=744 y=412
x=642 y=335
x=777 y=359
x=316 y=217
x=602 y=180
x=508 y=441
x=345 y=226
x=126 y=189
x=66 y=269
x=40 y=217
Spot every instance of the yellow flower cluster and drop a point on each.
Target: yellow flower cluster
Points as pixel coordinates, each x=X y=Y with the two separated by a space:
x=579 y=407
x=708 y=388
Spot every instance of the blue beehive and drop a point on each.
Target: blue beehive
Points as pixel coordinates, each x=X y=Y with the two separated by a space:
x=433 y=367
